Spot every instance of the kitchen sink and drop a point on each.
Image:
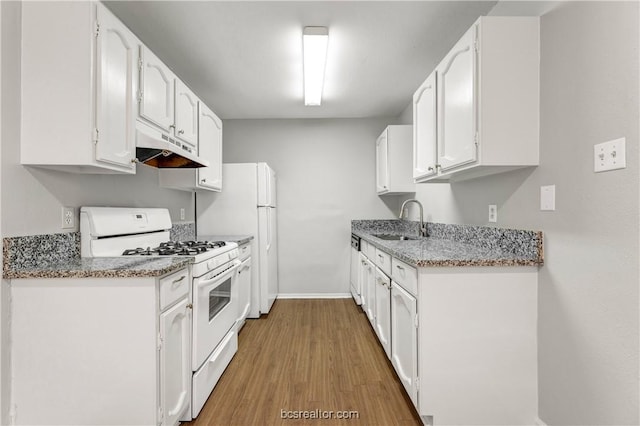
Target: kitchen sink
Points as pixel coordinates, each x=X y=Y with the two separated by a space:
x=394 y=237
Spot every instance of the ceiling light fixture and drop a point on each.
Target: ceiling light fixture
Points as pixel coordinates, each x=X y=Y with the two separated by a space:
x=314 y=44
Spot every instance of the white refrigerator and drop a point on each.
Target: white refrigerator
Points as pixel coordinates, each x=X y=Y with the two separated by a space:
x=247 y=205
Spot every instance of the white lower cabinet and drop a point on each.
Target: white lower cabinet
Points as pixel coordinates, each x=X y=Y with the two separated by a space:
x=404 y=342
x=369 y=284
x=383 y=310
x=175 y=362
x=244 y=290
x=111 y=351
x=461 y=339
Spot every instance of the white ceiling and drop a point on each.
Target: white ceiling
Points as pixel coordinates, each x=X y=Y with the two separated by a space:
x=244 y=59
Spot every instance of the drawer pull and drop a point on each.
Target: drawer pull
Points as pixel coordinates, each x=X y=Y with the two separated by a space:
x=177 y=280
x=400 y=267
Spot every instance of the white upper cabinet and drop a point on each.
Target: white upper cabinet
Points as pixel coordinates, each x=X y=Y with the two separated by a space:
x=456 y=93
x=382 y=170
x=156 y=96
x=486 y=101
x=210 y=149
x=393 y=161
x=78 y=88
x=424 y=129
x=186 y=114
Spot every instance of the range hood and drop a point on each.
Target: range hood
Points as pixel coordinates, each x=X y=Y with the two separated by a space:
x=157 y=149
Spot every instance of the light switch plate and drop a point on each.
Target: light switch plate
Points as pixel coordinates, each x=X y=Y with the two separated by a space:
x=548 y=197
x=609 y=155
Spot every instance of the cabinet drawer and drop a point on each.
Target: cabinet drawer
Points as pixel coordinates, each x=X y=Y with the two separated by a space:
x=173 y=287
x=371 y=252
x=383 y=261
x=244 y=251
x=405 y=275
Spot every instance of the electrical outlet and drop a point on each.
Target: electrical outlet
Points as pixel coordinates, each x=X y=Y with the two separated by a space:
x=609 y=155
x=68 y=218
x=181 y=214
x=493 y=213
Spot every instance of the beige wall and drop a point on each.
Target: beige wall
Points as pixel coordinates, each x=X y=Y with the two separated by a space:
x=326 y=178
x=588 y=288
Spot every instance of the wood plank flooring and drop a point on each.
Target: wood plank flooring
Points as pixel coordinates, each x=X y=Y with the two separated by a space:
x=309 y=354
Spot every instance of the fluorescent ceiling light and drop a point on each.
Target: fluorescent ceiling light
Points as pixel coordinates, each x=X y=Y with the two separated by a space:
x=314 y=41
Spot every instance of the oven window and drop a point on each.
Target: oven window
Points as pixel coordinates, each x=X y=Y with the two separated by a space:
x=219 y=297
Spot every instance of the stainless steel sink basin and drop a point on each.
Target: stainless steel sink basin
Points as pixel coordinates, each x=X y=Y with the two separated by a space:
x=392 y=237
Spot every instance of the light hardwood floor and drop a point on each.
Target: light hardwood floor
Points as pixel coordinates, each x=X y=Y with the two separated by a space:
x=318 y=354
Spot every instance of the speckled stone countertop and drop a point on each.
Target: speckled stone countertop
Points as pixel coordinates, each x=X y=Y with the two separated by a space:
x=101 y=267
x=454 y=245
x=240 y=239
x=58 y=256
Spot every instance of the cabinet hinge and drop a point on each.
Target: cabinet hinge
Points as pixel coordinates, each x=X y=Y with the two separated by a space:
x=415 y=321
x=139 y=63
x=417 y=383
x=97 y=28
x=475 y=45
x=140 y=96
x=475 y=139
x=160 y=415
x=96 y=135
x=159 y=341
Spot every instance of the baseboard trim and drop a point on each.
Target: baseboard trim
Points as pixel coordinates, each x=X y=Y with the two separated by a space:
x=539 y=422
x=314 y=295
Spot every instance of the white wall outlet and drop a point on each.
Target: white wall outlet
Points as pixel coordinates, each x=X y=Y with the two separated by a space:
x=493 y=213
x=609 y=155
x=181 y=214
x=548 y=197
x=68 y=218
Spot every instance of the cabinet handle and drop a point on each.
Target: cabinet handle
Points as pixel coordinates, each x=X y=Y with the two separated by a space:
x=400 y=267
x=176 y=281
x=190 y=306
x=180 y=132
x=135 y=160
x=429 y=169
x=203 y=180
x=438 y=166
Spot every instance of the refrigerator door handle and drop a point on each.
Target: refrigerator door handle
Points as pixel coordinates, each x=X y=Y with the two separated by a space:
x=268 y=229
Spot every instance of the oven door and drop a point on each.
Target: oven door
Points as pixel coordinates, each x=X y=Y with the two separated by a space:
x=215 y=310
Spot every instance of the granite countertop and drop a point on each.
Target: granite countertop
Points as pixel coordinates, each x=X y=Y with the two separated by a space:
x=58 y=256
x=240 y=239
x=101 y=267
x=458 y=245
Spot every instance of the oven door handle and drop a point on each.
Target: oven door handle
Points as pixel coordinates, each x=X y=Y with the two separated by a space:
x=229 y=272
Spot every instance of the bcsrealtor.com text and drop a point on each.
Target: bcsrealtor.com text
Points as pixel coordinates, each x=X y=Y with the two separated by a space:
x=319 y=414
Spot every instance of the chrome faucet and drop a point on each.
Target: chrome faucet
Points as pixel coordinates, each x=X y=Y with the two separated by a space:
x=423 y=230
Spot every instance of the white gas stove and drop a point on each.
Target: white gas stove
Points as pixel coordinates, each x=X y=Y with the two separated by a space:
x=114 y=232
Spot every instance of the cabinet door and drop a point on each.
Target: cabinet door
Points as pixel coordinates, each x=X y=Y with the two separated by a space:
x=362 y=277
x=457 y=121
x=186 y=114
x=370 y=302
x=404 y=344
x=383 y=310
x=156 y=90
x=244 y=289
x=209 y=148
x=116 y=53
x=175 y=362
x=382 y=164
x=424 y=129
